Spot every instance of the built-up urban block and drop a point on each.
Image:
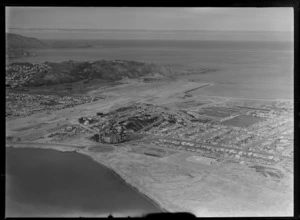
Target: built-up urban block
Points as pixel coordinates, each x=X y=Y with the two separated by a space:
x=18 y=75
x=246 y=135
x=20 y=104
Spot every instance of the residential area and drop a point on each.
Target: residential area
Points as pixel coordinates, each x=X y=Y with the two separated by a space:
x=262 y=137
x=18 y=75
x=21 y=104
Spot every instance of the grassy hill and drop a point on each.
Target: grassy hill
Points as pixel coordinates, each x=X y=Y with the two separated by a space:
x=14 y=41
x=70 y=71
x=19 y=46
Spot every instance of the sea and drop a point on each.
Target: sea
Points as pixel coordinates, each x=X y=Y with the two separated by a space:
x=49 y=183
x=243 y=69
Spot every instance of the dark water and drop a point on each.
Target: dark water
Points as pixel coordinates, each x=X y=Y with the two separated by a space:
x=43 y=182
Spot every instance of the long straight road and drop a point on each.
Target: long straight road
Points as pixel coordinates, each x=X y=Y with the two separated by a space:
x=155 y=137
x=43 y=144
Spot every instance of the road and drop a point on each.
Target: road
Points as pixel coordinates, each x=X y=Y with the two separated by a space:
x=43 y=144
x=53 y=144
x=155 y=137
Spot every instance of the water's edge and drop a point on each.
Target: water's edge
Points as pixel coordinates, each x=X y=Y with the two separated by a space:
x=112 y=169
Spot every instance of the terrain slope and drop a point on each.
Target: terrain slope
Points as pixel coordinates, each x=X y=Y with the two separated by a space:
x=26 y=74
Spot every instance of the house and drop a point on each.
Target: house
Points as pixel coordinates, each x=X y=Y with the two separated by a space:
x=237 y=156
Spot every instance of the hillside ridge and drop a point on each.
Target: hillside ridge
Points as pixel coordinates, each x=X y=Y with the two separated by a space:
x=19 y=46
x=50 y=73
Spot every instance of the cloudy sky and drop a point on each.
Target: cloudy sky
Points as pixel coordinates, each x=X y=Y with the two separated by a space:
x=240 y=19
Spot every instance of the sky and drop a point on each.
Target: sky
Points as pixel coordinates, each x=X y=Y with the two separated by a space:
x=216 y=19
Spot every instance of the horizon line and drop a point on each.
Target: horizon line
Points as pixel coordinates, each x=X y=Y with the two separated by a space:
x=116 y=29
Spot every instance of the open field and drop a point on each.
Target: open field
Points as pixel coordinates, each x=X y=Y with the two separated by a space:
x=199 y=159
x=101 y=149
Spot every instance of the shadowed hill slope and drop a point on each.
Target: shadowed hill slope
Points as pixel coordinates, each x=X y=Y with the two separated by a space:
x=18 y=46
x=50 y=73
x=17 y=41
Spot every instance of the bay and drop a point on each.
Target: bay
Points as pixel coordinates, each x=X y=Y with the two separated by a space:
x=49 y=183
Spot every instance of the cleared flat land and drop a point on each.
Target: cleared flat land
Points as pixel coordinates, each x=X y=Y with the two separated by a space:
x=103 y=148
x=199 y=159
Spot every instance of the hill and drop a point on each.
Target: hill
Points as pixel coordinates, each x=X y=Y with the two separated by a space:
x=14 y=41
x=19 y=46
x=48 y=73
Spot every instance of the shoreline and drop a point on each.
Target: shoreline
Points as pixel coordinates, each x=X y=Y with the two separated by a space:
x=126 y=180
x=113 y=170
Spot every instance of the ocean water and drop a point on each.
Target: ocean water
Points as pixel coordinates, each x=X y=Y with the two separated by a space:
x=49 y=183
x=167 y=35
x=259 y=63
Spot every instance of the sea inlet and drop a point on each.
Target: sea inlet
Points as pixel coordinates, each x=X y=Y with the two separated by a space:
x=49 y=183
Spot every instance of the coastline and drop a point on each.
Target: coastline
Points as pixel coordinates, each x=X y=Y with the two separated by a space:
x=114 y=171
